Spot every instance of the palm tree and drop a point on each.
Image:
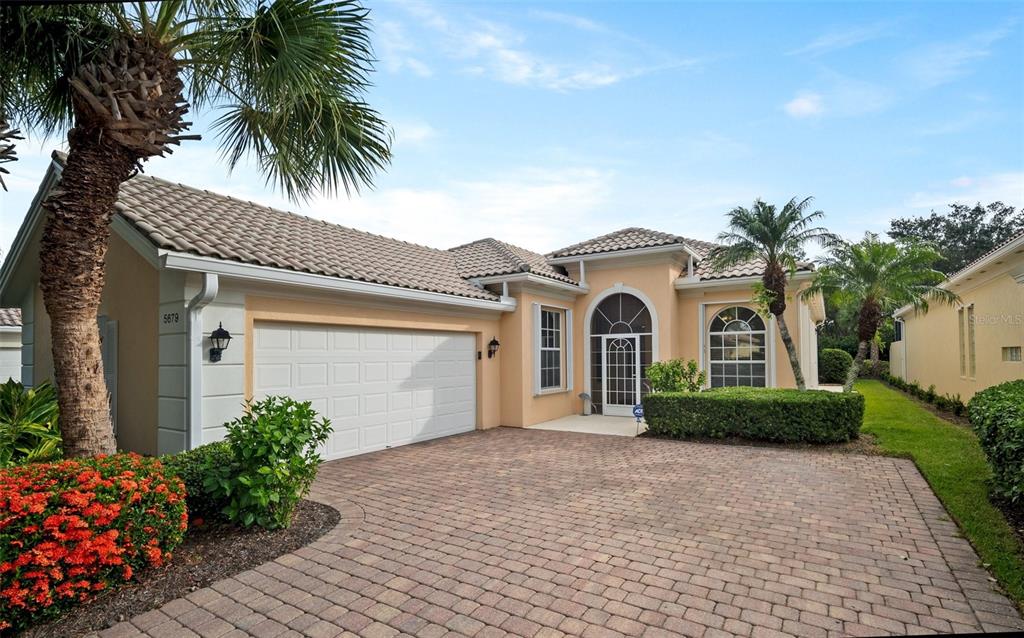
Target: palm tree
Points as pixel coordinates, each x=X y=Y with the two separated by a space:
x=775 y=238
x=287 y=79
x=876 y=277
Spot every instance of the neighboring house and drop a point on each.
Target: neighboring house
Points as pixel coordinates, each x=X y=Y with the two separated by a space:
x=974 y=344
x=10 y=344
x=392 y=341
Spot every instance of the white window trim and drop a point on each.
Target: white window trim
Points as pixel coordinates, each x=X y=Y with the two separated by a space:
x=769 y=371
x=972 y=356
x=567 y=350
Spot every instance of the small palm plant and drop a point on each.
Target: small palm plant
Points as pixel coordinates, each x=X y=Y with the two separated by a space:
x=286 y=77
x=28 y=424
x=877 y=277
x=776 y=238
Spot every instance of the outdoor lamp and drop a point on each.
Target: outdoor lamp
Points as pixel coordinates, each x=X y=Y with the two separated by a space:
x=492 y=347
x=220 y=338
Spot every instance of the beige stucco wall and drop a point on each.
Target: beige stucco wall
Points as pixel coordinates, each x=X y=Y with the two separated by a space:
x=131 y=297
x=931 y=341
x=488 y=389
x=520 y=406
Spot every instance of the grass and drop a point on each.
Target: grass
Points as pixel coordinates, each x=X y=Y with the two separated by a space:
x=953 y=463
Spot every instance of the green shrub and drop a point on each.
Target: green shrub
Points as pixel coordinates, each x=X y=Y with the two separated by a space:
x=676 y=375
x=28 y=424
x=779 y=415
x=190 y=466
x=275 y=457
x=869 y=370
x=833 y=364
x=997 y=415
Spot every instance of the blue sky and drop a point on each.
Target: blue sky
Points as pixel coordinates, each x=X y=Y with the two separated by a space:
x=548 y=123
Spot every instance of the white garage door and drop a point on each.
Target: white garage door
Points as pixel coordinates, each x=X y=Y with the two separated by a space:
x=379 y=388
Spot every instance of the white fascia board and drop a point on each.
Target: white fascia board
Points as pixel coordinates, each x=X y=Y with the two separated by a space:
x=10 y=328
x=195 y=263
x=687 y=283
x=629 y=252
x=530 y=278
x=32 y=219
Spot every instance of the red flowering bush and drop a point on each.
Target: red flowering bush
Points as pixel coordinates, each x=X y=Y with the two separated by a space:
x=73 y=528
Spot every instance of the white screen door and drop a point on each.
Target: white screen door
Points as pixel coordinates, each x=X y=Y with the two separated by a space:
x=620 y=368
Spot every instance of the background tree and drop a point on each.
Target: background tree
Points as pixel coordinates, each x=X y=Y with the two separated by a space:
x=287 y=79
x=877 y=277
x=963 y=234
x=776 y=238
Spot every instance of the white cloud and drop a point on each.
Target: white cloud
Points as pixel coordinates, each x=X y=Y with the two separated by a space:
x=944 y=62
x=576 y=22
x=843 y=38
x=395 y=49
x=805 y=105
x=413 y=133
x=497 y=51
x=539 y=209
x=1005 y=187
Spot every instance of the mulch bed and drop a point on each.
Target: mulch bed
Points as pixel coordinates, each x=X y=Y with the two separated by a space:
x=207 y=555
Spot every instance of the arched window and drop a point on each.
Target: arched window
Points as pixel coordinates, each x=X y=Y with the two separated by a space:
x=620 y=352
x=737 y=348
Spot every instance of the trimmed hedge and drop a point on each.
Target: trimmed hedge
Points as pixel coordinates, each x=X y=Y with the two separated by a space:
x=833 y=364
x=71 y=529
x=997 y=415
x=869 y=370
x=760 y=414
x=190 y=467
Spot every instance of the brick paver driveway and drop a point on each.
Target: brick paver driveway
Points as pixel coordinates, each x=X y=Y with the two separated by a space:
x=540 y=533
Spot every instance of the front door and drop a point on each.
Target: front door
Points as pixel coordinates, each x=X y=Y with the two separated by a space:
x=620 y=369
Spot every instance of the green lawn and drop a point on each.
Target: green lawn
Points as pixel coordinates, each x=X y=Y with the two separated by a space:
x=950 y=458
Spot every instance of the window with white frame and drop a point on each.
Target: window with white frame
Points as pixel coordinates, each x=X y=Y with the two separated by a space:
x=551 y=342
x=737 y=347
x=963 y=343
x=972 y=360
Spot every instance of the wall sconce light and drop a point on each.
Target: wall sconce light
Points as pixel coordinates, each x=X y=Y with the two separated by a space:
x=220 y=338
x=492 y=348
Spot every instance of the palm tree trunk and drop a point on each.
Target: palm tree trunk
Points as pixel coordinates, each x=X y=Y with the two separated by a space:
x=72 y=267
x=874 y=354
x=794 y=361
x=858 y=361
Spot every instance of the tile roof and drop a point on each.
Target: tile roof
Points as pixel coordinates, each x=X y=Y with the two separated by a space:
x=632 y=238
x=10 y=317
x=185 y=219
x=628 y=239
x=486 y=257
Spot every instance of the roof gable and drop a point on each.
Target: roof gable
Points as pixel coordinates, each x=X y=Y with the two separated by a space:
x=490 y=257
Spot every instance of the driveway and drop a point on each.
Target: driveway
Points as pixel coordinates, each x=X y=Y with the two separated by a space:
x=544 y=533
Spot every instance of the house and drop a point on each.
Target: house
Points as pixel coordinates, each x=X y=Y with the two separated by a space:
x=392 y=341
x=10 y=344
x=975 y=344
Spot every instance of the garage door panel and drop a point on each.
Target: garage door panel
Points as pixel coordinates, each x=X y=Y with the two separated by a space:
x=379 y=388
x=345 y=340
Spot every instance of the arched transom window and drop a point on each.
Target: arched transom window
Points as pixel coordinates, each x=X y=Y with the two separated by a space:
x=737 y=348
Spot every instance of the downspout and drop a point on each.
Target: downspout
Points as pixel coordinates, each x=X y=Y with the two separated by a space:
x=194 y=435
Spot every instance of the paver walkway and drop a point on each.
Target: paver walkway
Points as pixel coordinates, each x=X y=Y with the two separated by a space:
x=542 y=533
